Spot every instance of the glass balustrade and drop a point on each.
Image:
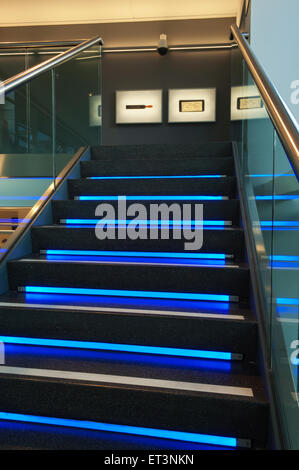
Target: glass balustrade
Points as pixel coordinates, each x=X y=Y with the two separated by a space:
x=271 y=190
x=42 y=125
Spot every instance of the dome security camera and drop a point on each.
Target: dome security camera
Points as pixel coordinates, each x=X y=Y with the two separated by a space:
x=162 y=45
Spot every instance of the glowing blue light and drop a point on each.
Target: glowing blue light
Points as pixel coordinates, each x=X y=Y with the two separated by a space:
x=283 y=264
x=275 y=198
x=170 y=223
x=279 y=223
x=131 y=348
x=127 y=293
x=284 y=258
x=144 y=254
x=288 y=310
x=15 y=350
x=129 y=302
x=22 y=198
x=287 y=301
x=266 y=175
x=139 y=260
x=152 y=198
x=123 y=429
x=13 y=221
x=27 y=178
x=153 y=177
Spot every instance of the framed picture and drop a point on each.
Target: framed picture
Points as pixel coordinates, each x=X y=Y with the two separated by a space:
x=246 y=103
x=138 y=107
x=192 y=105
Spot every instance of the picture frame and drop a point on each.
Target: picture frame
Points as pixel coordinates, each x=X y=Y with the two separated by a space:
x=138 y=106
x=191 y=105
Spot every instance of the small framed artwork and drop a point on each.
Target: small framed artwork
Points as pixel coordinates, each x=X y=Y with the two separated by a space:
x=246 y=103
x=192 y=105
x=138 y=107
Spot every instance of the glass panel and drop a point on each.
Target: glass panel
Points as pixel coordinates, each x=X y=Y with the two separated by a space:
x=42 y=125
x=272 y=194
x=285 y=282
x=12 y=61
x=253 y=130
x=78 y=103
x=26 y=145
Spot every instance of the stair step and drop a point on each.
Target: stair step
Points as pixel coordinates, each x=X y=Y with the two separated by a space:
x=212 y=210
x=85 y=387
x=200 y=282
x=167 y=186
x=229 y=241
x=146 y=322
x=166 y=166
x=134 y=344
x=159 y=151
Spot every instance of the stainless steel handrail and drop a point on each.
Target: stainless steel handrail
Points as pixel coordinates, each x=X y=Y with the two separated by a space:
x=37 y=44
x=281 y=117
x=36 y=210
x=24 y=77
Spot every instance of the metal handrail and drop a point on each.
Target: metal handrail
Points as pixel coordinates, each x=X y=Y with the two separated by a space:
x=280 y=115
x=38 y=44
x=24 y=77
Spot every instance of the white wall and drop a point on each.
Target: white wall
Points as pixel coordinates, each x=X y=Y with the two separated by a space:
x=275 y=41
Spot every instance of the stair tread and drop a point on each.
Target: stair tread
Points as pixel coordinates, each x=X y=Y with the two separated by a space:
x=238 y=383
x=234 y=312
x=42 y=258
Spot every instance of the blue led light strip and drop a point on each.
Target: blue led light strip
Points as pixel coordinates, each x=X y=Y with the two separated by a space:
x=153 y=223
x=265 y=175
x=142 y=254
x=21 y=198
x=123 y=429
x=279 y=223
x=287 y=301
x=13 y=221
x=152 y=198
x=128 y=348
x=275 y=198
x=283 y=258
x=127 y=293
x=153 y=177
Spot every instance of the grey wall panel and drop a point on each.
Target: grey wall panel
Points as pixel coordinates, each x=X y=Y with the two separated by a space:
x=196 y=69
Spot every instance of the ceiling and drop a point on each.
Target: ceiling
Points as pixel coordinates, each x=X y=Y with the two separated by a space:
x=53 y=12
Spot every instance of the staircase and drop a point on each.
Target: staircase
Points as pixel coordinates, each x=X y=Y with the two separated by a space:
x=101 y=336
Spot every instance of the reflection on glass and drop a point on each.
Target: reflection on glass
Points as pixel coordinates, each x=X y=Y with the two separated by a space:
x=42 y=125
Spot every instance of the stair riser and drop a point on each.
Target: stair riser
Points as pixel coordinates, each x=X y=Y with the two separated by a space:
x=218 y=241
x=160 y=151
x=136 y=407
x=212 y=210
x=229 y=281
x=202 y=166
x=235 y=336
x=209 y=186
